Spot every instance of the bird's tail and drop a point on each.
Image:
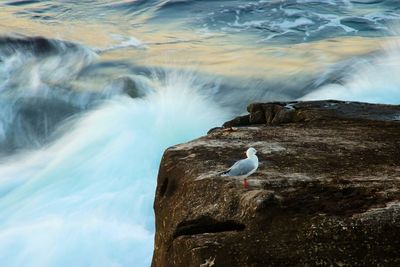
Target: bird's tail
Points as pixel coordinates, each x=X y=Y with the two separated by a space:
x=224 y=173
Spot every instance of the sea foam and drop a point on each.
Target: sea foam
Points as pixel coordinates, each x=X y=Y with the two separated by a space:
x=376 y=80
x=86 y=200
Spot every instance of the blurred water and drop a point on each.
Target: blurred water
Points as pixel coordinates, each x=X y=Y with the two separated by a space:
x=372 y=80
x=93 y=92
x=86 y=199
x=283 y=21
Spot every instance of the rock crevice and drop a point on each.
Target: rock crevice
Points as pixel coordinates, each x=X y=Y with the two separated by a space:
x=206 y=224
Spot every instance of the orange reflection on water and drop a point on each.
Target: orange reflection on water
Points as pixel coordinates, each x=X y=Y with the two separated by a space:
x=216 y=53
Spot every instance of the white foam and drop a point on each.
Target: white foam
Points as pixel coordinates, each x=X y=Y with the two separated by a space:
x=376 y=81
x=129 y=42
x=87 y=199
x=287 y=24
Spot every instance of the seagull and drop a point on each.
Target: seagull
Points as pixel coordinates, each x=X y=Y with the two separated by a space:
x=244 y=167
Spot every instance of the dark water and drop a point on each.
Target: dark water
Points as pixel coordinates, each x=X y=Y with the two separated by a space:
x=92 y=92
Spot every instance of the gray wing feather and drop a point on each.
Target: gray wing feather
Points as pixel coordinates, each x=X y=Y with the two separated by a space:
x=242 y=167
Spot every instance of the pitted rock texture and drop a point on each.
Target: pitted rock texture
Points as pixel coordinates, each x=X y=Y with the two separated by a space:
x=326 y=193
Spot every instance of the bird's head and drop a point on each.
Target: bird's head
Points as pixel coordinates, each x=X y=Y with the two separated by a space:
x=251 y=152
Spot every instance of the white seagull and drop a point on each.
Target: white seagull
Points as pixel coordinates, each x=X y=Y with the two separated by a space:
x=244 y=167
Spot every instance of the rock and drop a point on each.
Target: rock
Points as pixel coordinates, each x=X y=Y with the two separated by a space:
x=281 y=112
x=128 y=86
x=241 y=120
x=327 y=191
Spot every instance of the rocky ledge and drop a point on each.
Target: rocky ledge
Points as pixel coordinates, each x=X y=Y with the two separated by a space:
x=327 y=191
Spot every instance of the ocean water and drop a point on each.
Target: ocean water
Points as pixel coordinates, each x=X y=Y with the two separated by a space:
x=92 y=93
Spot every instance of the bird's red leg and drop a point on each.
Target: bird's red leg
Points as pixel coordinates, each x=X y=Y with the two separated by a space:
x=245 y=183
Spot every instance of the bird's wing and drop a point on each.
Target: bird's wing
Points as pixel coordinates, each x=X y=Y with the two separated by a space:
x=241 y=167
x=226 y=173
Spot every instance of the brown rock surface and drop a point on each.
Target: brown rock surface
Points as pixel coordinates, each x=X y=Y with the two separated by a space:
x=327 y=191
